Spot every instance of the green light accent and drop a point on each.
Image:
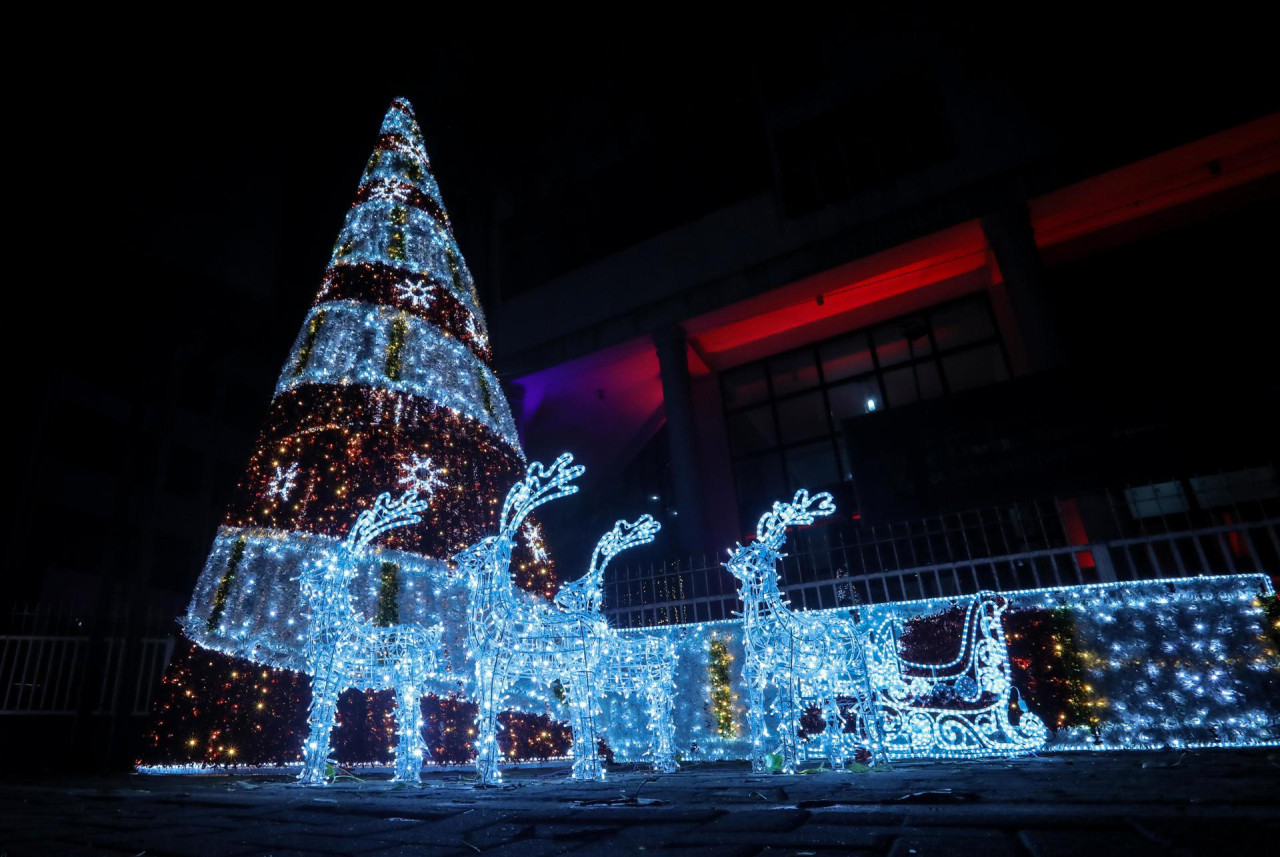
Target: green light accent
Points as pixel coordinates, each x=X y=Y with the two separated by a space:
x=225 y=584
x=309 y=342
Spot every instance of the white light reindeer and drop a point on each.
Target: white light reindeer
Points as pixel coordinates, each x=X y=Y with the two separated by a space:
x=345 y=650
x=818 y=657
x=512 y=636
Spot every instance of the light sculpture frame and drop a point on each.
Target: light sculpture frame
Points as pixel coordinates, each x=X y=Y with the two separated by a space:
x=817 y=657
x=343 y=649
x=979 y=677
x=513 y=637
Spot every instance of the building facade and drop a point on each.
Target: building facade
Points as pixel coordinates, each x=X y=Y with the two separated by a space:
x=923 y=310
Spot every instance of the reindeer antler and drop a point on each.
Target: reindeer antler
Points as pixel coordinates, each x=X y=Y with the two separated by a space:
x=540 y=485
x=624 y=535
x=802 y=510
x=584 y=593
x=386 y=514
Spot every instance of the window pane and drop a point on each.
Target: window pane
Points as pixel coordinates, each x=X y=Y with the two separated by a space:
x=854 y=399
x=812 y=466
x=751 y=430
x=846 y=472
x=793 y=372
x=973 y=368
x=930 y=380
x=891 y=344
x=760 y=482
x=900 y=387
x=744 y=385
x=846 y=357
x=917 y=333
x=1150 y=501
x=961 y=323
x=802 y=418
x=892 y=340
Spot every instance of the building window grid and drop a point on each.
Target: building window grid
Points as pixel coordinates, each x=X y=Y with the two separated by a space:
x=834 y=432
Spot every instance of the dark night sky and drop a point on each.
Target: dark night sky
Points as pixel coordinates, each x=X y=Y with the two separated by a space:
x=173 y=192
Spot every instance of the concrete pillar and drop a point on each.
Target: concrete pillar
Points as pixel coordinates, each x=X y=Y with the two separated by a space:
x=677 y=396
x=1013 y=242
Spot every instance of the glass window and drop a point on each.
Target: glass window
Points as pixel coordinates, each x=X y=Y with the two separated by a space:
x=846 y=470
x=974 y=368
x=891 y=344
x=1240 y=486
x=802 y=418
x=744 y=386
x=929 y=379
x=793 y=372
x=846 y=357
x=901 y=340
x=853 y=399
x=760 y=482
x=900 y=387
x=961 y=323
x=751 y=430
x=1151 y=501
x=812 y=466
x=917 y=333
x=801 y=400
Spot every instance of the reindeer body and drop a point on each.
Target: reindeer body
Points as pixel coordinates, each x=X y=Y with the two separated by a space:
x=345 y=650
x=514 y=637
x=804 y=655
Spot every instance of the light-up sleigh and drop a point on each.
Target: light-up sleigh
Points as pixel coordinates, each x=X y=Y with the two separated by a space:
x=956 y=709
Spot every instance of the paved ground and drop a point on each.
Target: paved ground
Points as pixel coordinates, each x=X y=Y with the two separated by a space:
x=1209 y=802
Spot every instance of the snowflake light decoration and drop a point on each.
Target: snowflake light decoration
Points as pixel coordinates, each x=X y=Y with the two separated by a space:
x=281 y=484
x=416 y=292
x=533 y=537
x=419 y=474
x=477 y=335
x=390 y=191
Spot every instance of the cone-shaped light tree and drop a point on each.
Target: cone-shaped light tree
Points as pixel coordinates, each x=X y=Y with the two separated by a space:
x=388 y=387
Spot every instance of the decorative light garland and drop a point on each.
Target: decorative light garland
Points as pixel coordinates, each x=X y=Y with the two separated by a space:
x=722 y=697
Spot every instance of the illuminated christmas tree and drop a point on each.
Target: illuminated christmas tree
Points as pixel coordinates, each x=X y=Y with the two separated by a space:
x=389 y=386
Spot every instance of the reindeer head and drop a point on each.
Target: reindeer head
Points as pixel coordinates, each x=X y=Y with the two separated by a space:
x=386 y=514
x=585 y=592
x=331 y=575
x=540 y=485
x=755 y=564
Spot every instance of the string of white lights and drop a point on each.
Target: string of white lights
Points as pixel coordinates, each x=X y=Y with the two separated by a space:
x=513 y=638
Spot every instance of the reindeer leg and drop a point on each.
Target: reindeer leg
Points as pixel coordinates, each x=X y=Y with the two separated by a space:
x=409 y=751
x=868 y=708
x=661 y=719
x=490 y=689
x=789 y=723
x=586 y=752
x=754 y=677
x=833 y=734
x=321 y=715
